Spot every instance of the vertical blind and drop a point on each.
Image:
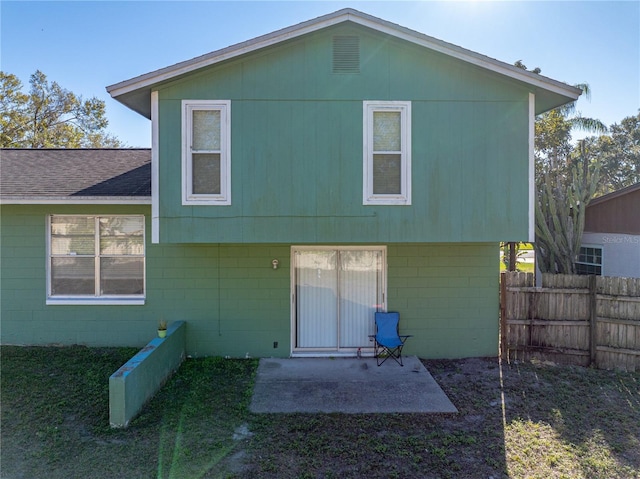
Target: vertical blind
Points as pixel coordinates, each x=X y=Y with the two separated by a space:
x=317 y=292
x=337 y=292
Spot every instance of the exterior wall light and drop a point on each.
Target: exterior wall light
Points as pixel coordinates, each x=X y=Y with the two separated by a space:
x=275 y=263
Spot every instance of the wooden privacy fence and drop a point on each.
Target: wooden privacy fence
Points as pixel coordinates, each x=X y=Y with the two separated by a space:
x=582 y=320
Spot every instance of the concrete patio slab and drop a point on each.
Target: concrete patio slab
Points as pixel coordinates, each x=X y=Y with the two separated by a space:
x=346 y=385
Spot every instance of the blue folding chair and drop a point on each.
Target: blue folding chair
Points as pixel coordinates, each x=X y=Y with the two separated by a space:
x=387 y=342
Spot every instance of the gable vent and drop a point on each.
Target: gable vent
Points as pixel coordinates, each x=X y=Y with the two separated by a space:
x=346 y=54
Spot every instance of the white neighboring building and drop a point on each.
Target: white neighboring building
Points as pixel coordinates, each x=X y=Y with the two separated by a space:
x=611 y=238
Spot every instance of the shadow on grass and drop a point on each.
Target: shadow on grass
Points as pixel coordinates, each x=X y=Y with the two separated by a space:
x=468 y=444
x=516 y=421
x=208 y=399
x=571 y=421
x=55 y=417
x=177 y=460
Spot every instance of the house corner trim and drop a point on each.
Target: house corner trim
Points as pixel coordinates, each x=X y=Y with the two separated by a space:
x=532 y=168
x=155 y=170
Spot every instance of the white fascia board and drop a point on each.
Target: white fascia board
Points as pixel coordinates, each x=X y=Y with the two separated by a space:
x=227 y=53
x=532 y=168
x=468 y=56
x=536 y=80
x=155 y=169
x=76 y=200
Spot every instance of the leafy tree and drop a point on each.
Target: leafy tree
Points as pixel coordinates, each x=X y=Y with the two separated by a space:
x=13 y=115
x=50 y=116
x=553 y=146
x=619 y=155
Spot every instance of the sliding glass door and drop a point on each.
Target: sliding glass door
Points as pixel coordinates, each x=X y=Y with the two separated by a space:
x=336 y=290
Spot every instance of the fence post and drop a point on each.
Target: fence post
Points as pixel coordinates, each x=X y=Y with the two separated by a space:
x=593 y=321
x=504 y=354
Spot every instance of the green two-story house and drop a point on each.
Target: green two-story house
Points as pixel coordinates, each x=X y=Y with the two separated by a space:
x=300 y=181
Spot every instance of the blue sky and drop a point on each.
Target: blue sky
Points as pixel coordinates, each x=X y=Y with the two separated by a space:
x=85 y=46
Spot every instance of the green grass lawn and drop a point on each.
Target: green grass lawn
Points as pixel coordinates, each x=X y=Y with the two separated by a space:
x=523 y=420
x=520 y=266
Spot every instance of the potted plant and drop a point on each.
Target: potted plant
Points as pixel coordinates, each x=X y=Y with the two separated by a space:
x=162 y=328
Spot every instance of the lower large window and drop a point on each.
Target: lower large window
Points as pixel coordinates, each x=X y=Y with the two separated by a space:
x=96 y=258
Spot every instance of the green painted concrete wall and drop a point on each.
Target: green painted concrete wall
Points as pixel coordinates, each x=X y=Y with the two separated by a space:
x=297 y=147
x=136 y=381
x=231 y=298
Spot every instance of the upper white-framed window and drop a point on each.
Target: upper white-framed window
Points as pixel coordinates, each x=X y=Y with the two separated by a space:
x=95 y=259
x=206 y=152
x=387 y=153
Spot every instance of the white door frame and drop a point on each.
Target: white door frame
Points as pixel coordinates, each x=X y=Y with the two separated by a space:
x=325 y=352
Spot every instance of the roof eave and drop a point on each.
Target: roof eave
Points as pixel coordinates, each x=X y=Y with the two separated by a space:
x=135 y=93
x=614 y=194
x=75 y=200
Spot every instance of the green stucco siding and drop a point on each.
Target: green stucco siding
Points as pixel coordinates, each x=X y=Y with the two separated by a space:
x=233 y=301
x=297 y=147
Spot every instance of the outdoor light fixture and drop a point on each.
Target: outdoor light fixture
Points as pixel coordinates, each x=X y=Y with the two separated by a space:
x=275 y=264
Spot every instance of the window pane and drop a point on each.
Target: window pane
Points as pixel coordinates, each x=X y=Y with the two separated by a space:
x=359 y=275
x=122 y=235
x=590 y=255
x=206 y=174
x=582 y=268
x=386 y=174
x=386 y=131
x=72 y=235
x=121 y=245
x=317 y=292
x=121 y=275
x=206 y=130
x=66 y=225
x=72 y=276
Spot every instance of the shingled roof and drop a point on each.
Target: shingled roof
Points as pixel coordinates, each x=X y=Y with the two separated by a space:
x=75 y=175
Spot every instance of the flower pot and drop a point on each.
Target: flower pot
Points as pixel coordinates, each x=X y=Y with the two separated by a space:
x=162 y=333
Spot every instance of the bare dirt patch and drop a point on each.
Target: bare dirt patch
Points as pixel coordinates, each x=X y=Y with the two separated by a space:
x=532 y=420
x=529 y=420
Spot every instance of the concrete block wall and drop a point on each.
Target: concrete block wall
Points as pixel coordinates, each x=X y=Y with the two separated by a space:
x=135 y=383
x=447 y=296
x=233 y=299
x=251 y=309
